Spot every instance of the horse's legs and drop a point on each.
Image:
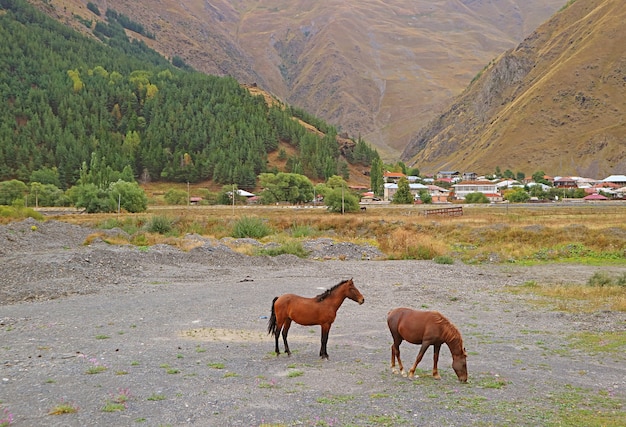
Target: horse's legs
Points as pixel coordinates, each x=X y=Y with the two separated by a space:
x=395 y=354
x=420 y=355
x=325 y=331
x=436 y=348
x=286 y=327
x=279 y=326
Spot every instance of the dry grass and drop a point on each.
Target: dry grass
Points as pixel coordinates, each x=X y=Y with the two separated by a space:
x=580 y=233
x=585 y=299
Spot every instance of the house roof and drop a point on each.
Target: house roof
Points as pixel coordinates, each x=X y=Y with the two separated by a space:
x=595 y=196
x=509 y=183
x=393 y=174
x=474 y=183
x=615 y=178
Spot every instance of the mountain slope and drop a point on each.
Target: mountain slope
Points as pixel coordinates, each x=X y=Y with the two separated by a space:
x=70 y=103
x=556 y=103
x=373 y=68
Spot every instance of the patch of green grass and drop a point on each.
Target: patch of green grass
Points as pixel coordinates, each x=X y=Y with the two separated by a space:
x=63 y=408
x=579 y=407
x=102 y=337
x=497 y=383
x=230 y=375
x=268 y=384
x=599 y=342
x=334 y=399
x=295 y=373
x=97 y=369
x=156 y=397
x=216 y=365
x=386 y=420
x=379 y=395
x=113 y=407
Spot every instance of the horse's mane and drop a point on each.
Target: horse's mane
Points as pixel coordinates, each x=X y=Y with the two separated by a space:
x=321 y=297
x=450 y=334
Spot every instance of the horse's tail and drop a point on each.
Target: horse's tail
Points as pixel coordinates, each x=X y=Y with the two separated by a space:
x=271 y=325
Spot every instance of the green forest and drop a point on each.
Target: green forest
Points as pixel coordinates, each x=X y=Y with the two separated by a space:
x=68 y=102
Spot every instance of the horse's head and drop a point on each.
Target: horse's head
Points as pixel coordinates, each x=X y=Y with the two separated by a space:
x=459 y=364
x=353 y=293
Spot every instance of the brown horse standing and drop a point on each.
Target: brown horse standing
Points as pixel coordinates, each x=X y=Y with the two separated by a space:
x=320 y=310
x=426 y=328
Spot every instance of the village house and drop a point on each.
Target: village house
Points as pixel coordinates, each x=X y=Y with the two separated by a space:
x=620 y=180
x=488 y=188
x=469 y=176
x=565 y=182
x=437 y=194
x=393 y=177
x=448 y=176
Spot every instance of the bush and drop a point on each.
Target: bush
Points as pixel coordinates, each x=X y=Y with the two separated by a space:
x=160 y=224
x=302 y=231
x=335 y=201
x=599 y=279
x=291 y=248
x=254 y=228
x=443 y=259
x=130 y=195
x=176 y=197
x=476 y=198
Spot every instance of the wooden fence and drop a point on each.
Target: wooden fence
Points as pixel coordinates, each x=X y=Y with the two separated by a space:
x=455 y=211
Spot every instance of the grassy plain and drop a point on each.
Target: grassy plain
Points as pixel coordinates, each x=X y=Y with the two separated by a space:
x=581 y=233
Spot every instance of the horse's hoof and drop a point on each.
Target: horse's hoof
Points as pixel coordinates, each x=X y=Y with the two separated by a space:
x=404 y=374
x=395 y=371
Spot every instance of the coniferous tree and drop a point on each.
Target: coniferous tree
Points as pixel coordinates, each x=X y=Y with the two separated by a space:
x=403 y=195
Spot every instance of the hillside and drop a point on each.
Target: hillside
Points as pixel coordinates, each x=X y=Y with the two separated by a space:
x=115 y=109
x=375 y=69
x=556 y=102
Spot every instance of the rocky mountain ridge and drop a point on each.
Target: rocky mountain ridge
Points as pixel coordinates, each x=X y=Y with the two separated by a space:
x=554 y=103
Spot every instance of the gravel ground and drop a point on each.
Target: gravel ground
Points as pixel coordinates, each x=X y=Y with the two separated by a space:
x=181 y=338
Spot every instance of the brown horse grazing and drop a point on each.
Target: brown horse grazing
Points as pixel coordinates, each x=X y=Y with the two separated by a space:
x=320 y=310
x=426 y=328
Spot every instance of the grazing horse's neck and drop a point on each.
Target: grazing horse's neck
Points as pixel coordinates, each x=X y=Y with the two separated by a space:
x=455 y=345
x=452 y=338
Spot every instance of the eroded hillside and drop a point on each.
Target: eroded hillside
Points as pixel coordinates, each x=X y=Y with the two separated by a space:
x=557 y=103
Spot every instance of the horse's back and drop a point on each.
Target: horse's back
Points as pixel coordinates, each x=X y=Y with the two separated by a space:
x=303 y=310
x=414 y=325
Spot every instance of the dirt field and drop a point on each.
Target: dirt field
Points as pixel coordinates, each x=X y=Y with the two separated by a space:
x=179 y=338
